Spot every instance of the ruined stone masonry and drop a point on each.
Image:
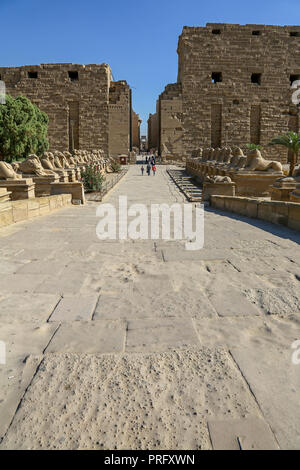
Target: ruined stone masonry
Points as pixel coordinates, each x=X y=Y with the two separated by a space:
x=153 y=128
x=233 y=88
x=170 y=121
x=136 y=124
x=87 y=109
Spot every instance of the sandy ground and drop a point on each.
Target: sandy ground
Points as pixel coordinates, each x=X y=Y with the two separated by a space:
x=143 y=344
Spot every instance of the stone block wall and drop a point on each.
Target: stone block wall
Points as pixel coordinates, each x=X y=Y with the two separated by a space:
x=247 y=72
x=235 y=86
x=283 y=213
x=170 y=121
x=119 y=118
x=17 y=211
x=153 y=131
x=78 y=100
x=135 y=126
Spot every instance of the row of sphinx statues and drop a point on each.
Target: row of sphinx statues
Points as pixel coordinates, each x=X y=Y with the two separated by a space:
x=234 y=160
x=53 y=163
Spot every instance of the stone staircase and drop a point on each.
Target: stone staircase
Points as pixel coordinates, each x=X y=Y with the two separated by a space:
x=186 y=184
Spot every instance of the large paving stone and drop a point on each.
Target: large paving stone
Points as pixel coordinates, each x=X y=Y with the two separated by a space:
x=36 y=239
x=25 y=338
x=242 y=434
x=42 y=267
x=10 y=266
x=230 y=302
x=25 y=344
x=131 y=304
x=254 y=264
x=171 y=254
x=275 y=382
x=69 y=282
x=20 y=283
x=15 y=377
x=107 y=249
x=74 y=308
x=281 y=301
x=85 y=266
x=160 y=334
x=35 y=254
x=89 y=337
x=19 y=308
x=247 y=332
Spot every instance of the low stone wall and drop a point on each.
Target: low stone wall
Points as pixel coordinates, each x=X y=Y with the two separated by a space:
x=277 y=212
x=17 y=211
x=222 y=189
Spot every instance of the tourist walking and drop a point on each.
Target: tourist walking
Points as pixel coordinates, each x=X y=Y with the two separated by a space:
x=148 y=169
x=142 y=170
x=154 y=169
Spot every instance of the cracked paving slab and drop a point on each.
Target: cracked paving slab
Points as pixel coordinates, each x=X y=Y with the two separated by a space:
x=25 y=344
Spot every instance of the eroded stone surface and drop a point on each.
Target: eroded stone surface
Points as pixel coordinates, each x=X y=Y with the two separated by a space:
x=159 y=401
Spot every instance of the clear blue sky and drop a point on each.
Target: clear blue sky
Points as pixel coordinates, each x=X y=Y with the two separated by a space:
x=137 y=38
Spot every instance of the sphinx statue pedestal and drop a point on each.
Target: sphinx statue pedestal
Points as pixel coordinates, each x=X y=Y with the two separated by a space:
x=71 y=172
x=63 y=175
x=74 y=188
x=19 y=188
x=217 y=189
x=281 y=189
x=43 y=184
x=295 y=195
x=81 y=168
x=77 y=173
x=4 y=197
x=253 y=183
x=6 y=215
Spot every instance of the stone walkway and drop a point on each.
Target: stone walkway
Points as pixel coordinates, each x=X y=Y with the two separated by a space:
x=142 y=344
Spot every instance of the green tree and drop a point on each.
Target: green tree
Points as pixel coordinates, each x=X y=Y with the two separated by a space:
x=23 y=129
x=291 y=141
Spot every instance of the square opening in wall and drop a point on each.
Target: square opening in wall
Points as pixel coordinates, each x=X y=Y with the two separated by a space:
x=73 y=76
x=216 y=31
x=32 y=75
x=256 y=33
x=216 y=77
x=295 y=34
x=256 y=78
x=294 y=78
